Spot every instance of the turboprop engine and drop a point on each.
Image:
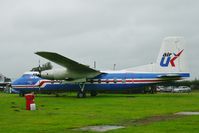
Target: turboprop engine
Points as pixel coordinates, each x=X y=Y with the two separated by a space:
x=55 y=74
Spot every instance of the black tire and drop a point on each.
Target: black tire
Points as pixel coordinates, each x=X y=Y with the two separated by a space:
x=81 y=94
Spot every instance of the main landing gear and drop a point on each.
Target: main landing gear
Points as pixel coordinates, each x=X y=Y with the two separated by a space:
x=81 y=93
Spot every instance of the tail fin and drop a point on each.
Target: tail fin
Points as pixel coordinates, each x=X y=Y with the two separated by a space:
x=172 y=55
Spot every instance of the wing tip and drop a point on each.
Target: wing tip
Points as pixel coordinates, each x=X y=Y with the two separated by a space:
x=44 y=52
x=37 y=52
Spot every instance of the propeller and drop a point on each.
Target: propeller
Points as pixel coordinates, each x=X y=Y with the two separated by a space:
x=39 y=69
x=43 y=67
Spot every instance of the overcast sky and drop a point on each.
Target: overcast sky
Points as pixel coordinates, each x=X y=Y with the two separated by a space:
x=123 y=32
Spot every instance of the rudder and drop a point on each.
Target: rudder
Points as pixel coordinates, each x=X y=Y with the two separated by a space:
x=172 y=55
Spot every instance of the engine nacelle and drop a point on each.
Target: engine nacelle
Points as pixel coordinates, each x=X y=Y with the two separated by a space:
x=55 y=74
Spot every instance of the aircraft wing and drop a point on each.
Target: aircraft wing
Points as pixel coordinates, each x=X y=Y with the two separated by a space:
x=74 y=68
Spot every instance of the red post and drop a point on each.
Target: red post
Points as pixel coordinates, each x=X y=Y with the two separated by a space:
x=30 y=99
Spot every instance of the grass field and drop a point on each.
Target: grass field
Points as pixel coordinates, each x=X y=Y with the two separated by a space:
x=63 y=114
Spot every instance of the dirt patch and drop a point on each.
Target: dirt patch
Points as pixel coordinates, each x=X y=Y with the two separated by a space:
x=152 y=119
x=139 y=122
x=187 y=113
x=100 y=128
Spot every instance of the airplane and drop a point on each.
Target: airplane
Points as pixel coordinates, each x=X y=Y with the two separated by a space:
x=4 y=82
x=170 y=66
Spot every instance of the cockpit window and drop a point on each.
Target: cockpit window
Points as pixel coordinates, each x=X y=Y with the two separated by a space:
x=25 y=75
x=29 y=76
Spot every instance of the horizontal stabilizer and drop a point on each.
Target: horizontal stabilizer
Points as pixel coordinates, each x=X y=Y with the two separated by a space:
x=171 y=77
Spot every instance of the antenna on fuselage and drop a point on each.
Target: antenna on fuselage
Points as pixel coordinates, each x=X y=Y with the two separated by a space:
x=94 y=65
x=39 y=68
x=114 y=67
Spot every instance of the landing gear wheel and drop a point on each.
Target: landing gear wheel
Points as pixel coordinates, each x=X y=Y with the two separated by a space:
x=153 y=90
x=93 y=93
x=81 y=94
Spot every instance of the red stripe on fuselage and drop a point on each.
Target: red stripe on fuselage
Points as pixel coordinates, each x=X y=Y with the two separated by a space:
x=45 y=81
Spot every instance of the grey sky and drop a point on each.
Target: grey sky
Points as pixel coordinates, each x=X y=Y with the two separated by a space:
x=125 y=32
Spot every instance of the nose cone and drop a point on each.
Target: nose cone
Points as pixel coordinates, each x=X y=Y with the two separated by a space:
x=26 y=79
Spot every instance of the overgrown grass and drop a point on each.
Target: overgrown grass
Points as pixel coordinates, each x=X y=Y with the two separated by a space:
x=62 y=114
